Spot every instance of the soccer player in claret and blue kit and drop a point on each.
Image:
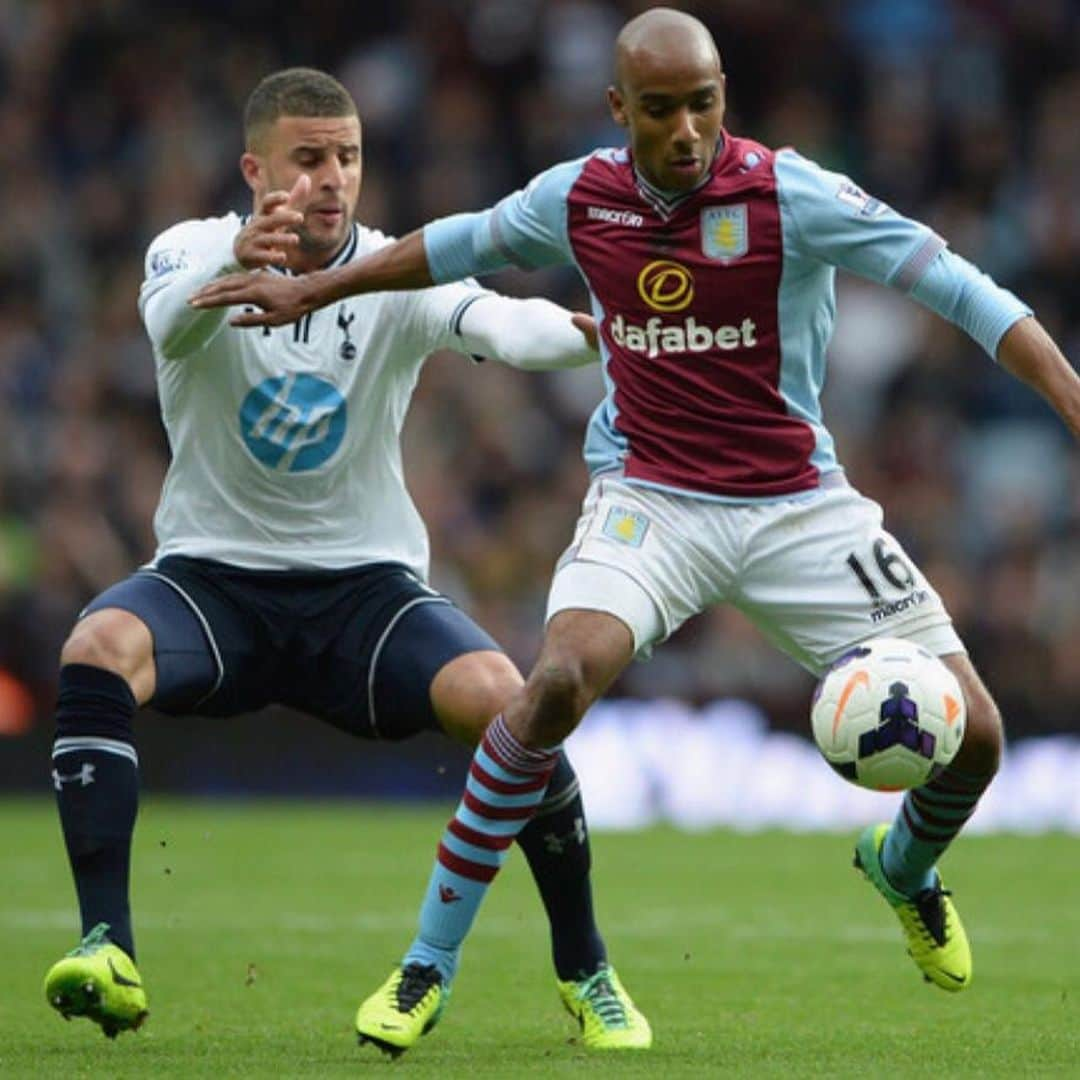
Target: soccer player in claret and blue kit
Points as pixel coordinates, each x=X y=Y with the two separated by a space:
x=292 y=564
x=711 y=262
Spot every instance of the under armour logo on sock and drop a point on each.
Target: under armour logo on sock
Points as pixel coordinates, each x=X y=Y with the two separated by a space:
x=85 y=776
x=447 y=894
x=556 y=844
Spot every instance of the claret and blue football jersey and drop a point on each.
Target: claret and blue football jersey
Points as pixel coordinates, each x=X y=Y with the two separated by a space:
x=716 y=306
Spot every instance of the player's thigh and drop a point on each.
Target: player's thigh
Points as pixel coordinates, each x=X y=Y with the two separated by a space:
x=147 y=627
x=118 y=641
x=438 y=670
x=409 y=661
x=650 y=559
x=822 y=574
x=199 y=641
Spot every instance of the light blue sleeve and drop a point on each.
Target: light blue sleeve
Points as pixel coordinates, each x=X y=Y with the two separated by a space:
x=527 y=229
x=835 y=221
x=972 y=300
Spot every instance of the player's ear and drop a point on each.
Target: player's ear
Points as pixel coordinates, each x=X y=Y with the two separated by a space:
x=617 y=106
x=252 y=170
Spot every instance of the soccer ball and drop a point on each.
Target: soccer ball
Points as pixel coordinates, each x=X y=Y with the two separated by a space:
x=888 y=715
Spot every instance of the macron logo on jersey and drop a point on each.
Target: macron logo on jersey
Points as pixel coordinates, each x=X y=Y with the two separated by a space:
x=615 y=217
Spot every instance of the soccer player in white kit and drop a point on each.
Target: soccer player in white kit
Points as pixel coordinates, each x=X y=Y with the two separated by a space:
x=291 y=563
x=711 y=262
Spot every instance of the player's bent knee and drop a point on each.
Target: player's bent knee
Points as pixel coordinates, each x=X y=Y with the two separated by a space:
x=559 y=693
x=471 y=690
x=984 y=738
x=560 y=682
x=114 y=640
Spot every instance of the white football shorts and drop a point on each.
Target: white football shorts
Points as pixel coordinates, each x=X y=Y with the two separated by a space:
x=816 y=573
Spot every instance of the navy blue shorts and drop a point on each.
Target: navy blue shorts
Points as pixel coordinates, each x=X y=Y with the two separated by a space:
x=358 y=648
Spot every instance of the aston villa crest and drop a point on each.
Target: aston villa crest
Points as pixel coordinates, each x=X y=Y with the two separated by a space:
x=725 y=232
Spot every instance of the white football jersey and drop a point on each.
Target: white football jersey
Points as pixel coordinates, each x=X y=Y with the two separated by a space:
x=285 y=441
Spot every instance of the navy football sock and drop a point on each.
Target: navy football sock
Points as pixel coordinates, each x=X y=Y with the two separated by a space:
x=556 y=844
x=95 y=774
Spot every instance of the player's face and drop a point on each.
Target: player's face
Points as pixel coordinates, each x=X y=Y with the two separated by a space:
x=674 y=114
x=328 y=150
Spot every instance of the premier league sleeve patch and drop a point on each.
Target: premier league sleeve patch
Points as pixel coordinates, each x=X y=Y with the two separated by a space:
x=625 y=526
x=168 y=261
x=864 y=205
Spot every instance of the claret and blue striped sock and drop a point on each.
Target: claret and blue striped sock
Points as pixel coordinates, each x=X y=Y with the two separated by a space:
x=505 y=785
x=928 y=820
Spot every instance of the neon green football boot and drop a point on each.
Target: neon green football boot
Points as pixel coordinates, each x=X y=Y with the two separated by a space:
x=98 y=980
x=608 y=1017
x=935 y=935
x=405 y=1007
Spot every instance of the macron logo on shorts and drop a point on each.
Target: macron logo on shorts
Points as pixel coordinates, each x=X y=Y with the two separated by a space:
x=626 y=526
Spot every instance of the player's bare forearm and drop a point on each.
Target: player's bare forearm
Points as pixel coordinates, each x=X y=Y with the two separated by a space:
x=401 y=265
x=1029 y=353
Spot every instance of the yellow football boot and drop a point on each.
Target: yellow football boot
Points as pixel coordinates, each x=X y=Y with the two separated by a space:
x=405 y=1007
x=608 y=1017
x=98 y=980
x=935 y=936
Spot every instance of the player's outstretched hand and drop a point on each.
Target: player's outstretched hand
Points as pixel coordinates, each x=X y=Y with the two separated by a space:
x=282 y=299
x=265 y=241
x=587 y=325
x=269 y=236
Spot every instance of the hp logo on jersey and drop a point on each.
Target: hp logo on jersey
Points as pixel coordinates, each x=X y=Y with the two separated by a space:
x=293 y=423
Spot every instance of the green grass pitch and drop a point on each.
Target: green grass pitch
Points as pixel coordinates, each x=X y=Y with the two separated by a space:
x=262 y=925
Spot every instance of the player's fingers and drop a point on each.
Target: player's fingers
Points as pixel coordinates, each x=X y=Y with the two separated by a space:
x=269 y=257
x=258 y=246
x=282 y=218
x=272 y=200
x=224 y=291
x=300 y=191
x=280 y=238
x=587 y=325
x=252 y=318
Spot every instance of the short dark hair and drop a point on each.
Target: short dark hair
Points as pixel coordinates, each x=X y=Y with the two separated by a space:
x=297 y=91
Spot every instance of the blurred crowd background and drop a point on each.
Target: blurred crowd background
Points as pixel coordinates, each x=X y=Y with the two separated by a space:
x=121 y=117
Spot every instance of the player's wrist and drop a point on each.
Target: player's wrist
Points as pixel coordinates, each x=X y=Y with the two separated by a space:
x=322 y=287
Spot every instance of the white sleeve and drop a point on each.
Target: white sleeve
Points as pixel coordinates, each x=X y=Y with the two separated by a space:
x=530 y=334
x=534 y=334
x=178 y=262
